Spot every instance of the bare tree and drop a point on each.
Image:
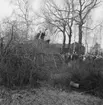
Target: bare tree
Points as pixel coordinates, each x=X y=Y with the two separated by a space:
x=70 y=19
x=54 y=16
x=9 y=35
x=24 y=14
x=60 y=17
x=83 y=9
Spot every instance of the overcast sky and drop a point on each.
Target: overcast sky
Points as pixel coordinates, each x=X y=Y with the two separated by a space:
x=6 y=9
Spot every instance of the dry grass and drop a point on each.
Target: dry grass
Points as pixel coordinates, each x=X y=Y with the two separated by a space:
x=46 y=96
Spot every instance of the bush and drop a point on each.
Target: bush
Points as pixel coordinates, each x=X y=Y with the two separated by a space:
x=26 y=63
x=60 y=80
x=88 y=75
x=78 y=71
x=16 y=70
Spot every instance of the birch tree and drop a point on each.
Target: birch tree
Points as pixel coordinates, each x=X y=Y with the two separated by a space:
x=24 y=13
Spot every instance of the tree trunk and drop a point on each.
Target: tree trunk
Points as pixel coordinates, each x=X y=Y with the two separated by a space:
x=27 y=31
x=80 y=37
x=1 y=46
x=70 y=36
x=64 y=39
x=80 y=34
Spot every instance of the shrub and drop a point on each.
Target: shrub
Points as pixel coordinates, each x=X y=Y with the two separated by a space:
x=78 y=71
x=18 y=67
x=60 y=80
x=89 y=75
x=16 y=70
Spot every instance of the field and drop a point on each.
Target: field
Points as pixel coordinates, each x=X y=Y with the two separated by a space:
x=46 y=96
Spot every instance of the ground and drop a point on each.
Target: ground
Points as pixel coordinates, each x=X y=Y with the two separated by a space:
x=45 y=96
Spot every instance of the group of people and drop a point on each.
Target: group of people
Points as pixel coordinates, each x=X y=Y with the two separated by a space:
x=42 y=35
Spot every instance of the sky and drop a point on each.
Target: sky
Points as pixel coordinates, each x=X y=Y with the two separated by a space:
x=6 y=9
